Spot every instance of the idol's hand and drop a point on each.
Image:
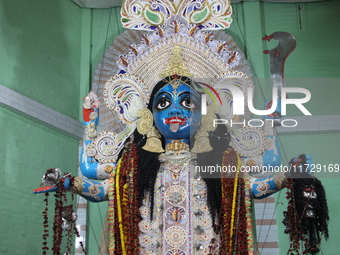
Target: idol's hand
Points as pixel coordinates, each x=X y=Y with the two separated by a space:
x=90 y=115
x=301 y=167
x=51 y=180
x=66 y=183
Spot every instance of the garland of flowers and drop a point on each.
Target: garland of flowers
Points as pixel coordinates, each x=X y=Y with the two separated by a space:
x=123 y=199
x=45 y=223
x=229 y=159
x=69 y=209
x=111 y=209
x=119 y=211
x=249 y=221
x=241 y=243
x=130 y=198
x=233 y=207
x=60 y=200
x=292 y=220
x=60 y=196
x=235 y=214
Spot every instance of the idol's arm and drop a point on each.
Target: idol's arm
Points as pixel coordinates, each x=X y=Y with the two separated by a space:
x=298 y=168
x=264 y=187
x=271 y=156
x=89 y=166
x=91 y=190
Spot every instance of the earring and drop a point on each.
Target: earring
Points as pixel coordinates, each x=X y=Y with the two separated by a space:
x=202 y=143
x=145 y=127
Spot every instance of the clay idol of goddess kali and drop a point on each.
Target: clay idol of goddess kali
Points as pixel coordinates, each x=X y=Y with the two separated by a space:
x=175 y=178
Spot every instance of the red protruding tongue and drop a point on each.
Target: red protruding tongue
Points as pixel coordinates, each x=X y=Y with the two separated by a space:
x=174 y=127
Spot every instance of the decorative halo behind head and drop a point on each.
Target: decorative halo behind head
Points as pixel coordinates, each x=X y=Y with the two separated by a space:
x=126 y=95
x=176 y=45
x=240 y=81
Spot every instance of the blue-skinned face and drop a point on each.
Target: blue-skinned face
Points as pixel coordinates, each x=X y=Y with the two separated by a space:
x=176 y=111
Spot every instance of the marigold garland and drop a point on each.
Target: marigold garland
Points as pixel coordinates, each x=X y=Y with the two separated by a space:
x=249 y=216
x=111 y=211
x=119 y=212
x=233 y=208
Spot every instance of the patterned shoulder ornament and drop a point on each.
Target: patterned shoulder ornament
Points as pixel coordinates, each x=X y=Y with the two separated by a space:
x=136 y=61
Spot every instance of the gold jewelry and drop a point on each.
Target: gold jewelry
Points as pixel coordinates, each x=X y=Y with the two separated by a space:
x=145 y=127
x=176 y=64
x=176 y=146
x=77 y=185
x=108 y=169
x=280 y=180
x=202 y=143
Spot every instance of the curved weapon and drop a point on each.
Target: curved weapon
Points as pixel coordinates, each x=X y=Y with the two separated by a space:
x=278 y=56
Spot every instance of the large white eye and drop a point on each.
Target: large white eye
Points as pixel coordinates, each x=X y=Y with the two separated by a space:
x=163 y=103
x=188 y=104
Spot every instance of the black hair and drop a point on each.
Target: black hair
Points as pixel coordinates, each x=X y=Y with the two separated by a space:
x=148 y=162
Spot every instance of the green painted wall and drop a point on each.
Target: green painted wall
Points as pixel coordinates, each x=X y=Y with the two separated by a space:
x=39 y=58
x=27 y=150
x=106 y=27
x=40 y=51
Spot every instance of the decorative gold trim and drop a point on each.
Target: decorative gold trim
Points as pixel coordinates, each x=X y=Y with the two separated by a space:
x=176 y=145
x=145 y=127
x=108 y=169
x=280 y=180
x=78 y=185
x=176 y=64
x=202 y=143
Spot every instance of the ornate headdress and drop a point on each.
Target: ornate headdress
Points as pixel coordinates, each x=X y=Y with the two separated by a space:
x=177 y=41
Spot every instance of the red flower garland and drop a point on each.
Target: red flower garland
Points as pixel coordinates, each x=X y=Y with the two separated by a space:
x=130 y=203
x=45 y=223
x=60 y=200
x=239 y=235
x=293 y=220
x=128 y=191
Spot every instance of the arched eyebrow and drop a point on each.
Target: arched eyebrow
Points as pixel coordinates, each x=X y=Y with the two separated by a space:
x=193 y=95
x=164 y=92
x=184 y=92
